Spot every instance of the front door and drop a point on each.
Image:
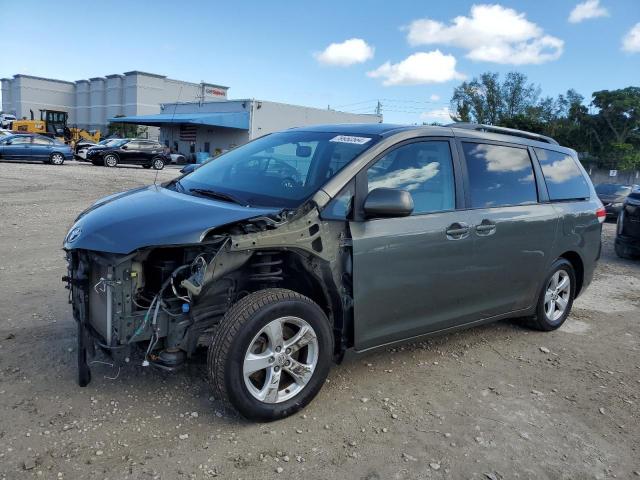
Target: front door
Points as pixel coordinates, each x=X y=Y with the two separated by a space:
x=513 y=232
x=41 y=148
x=130 y=152
x=411 y=274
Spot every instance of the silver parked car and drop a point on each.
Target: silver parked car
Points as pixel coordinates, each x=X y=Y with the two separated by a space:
x=283 y=253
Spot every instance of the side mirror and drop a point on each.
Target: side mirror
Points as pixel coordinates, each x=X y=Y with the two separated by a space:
x=303 y=151
x=124 y=147
x=189 y=168
x=387 y=203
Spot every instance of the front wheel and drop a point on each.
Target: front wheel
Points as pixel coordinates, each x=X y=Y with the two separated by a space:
x=271 y=354
x=110 y=161
x=556 y=298
x=56 y=159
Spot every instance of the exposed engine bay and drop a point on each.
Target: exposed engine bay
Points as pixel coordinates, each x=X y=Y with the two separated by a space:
x=166 y=301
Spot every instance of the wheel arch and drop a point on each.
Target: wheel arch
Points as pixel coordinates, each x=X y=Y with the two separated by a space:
x=307 y=276
x=576 y=262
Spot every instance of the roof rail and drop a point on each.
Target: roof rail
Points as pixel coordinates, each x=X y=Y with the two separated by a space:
x=503 y=130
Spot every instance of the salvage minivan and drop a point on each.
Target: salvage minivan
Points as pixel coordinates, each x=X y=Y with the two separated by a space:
x=280 y=255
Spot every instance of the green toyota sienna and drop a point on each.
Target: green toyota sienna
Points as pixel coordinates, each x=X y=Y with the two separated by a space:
x=280 y=255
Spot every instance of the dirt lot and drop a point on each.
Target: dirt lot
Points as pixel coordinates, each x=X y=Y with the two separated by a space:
x=496 y=402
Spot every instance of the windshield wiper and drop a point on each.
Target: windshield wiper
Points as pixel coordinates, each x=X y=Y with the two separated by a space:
x=218 y=196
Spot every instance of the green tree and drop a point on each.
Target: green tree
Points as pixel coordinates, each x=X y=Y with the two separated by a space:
x=127 y=130
x=610 y=136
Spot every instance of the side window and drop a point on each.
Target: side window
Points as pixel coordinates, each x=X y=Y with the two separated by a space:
x=20 y=140
x=133 y=146
x=561 y=174
x=424 y=169
x=340 y=206
x=499 y=176
x=41 y=141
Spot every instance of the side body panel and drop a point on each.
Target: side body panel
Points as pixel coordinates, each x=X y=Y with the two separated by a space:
x=509 y=264
x=409 y=279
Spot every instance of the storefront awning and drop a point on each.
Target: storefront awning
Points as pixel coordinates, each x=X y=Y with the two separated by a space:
x=238 y=120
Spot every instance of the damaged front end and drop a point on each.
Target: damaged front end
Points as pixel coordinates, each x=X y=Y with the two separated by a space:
x=166 y=301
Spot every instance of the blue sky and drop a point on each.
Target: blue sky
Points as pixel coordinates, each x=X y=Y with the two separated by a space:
x=274 y=50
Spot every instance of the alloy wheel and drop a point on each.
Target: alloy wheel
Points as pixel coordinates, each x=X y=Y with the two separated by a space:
x=57 y=159
x=280 y=360
x=557 y=295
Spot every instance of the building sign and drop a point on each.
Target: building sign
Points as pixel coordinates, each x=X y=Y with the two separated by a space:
x=613 y=173
x=214 y=92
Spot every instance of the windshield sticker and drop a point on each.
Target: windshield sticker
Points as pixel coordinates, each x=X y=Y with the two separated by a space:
x=350 y=139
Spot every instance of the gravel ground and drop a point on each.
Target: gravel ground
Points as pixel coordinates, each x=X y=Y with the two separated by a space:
x=494 y=402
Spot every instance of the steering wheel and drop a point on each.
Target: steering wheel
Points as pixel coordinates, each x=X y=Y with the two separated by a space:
x=289 y=182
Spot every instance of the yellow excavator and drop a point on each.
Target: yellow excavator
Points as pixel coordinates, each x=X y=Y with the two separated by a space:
x=53 y=124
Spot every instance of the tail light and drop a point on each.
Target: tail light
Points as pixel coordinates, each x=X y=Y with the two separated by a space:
x=601 y=214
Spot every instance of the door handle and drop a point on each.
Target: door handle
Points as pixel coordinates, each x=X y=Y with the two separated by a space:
x=486 y=228
x=457 y=231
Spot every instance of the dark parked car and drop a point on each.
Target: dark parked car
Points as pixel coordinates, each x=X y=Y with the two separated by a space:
x=627 y=243
x=612 y=196
x=34 y=148
x=284 y=252
x=83 y=145
x=129 y=151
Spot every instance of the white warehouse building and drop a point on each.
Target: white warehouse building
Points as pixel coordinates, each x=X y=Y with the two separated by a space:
x=214 y=127
x=90 y=103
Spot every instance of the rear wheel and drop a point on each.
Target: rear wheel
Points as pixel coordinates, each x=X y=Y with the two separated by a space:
x=110 y=160
x=56 y=159
x=157 y=163
x=270 y=354
x=556 y=298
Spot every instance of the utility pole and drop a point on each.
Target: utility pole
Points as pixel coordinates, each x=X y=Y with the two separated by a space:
x=379 y=108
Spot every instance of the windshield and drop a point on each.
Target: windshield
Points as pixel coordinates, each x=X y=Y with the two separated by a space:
x=612 y=189
x=279 y=170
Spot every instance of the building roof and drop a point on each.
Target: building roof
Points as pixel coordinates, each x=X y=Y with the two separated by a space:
x=22 y=75
x=238 y=120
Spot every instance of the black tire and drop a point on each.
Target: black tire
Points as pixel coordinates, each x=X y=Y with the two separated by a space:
x=157 y=163
x=56 y=159
x=235 y=334
x=541 y=321
x=111 y=160
x=84 y=372
x=621 y=251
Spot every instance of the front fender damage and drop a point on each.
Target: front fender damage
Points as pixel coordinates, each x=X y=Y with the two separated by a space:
x=169 y=299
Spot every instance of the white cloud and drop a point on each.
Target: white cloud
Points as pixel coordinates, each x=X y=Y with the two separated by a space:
x=586 y=10
x=631 y=41
x=438 y=115
x=501 y=159
x=417 y=69
x=349 y=52
x=408 y=178
x=491 y=33
x=434 y=97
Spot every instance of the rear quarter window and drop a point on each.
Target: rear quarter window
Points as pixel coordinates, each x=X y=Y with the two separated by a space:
x=562 y=175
